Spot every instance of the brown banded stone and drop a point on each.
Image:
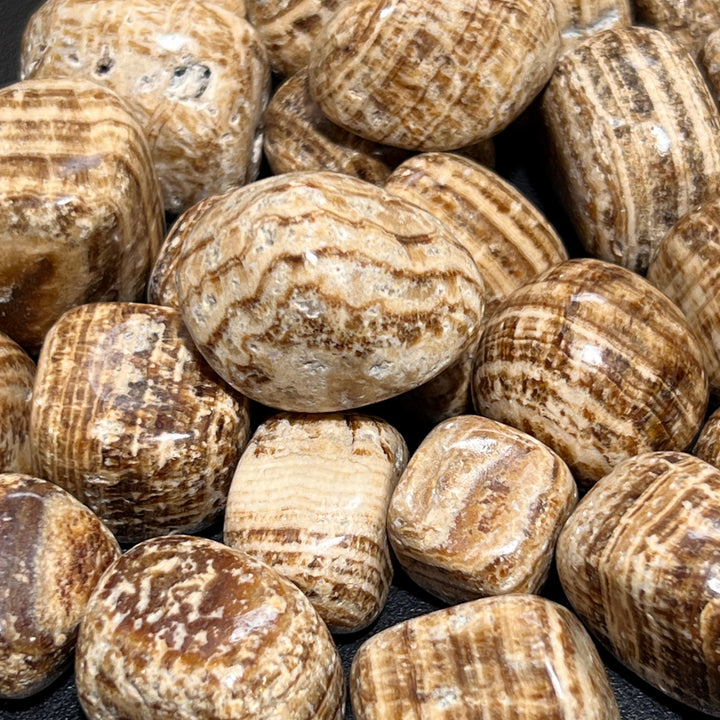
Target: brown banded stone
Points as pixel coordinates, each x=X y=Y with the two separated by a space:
x=288 y=28
x=17 y=377
x=686 y=268
x=639 y=560
x=194 y=75
x=518 y=656
x=53 y=552
x=578 y=19
x=309 y=497
x=689 y=22
x=299 y=137
x=318 y=292
x=634 y=138
x=710 y=62
x=432 y=76
x=707 y=445
x=478 y=510
x=595 y=362
x=183 y=626
x=128 y=417
x=80 y=210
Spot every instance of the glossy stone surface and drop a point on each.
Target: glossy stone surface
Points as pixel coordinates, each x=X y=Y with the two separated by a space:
x=196 y=78
x=317 y=292
x=54 y=550
x=186 y=627
x=639 y=561
x=509 y=239
x=578 y=19
x=517 y=656
x=595 y=362
x=634 y=136
x=17 y=376
x=432 y=76
x=128 y=417
x=289 y=27
x=310 y=497
x=80 y=210
x=478 y=510
x=686 y=268
x=689 y=22
x=298 y=136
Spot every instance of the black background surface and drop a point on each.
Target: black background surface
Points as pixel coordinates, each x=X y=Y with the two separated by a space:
x=517 y=153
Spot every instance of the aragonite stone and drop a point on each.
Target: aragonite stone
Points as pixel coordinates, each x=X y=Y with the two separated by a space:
x=309 y=497
x=54 y=550
x=162 y=289
x=578 y=19
x=317 y=292
x=186 y=627
x=196 y=78
x=639 y=560
x=518 y=656
x=707 y=445
x=128 y=417
x=634 y=136
x=288 y=28
x=81 y=216
x=710 y=62
x=595 y=362
x=689 y=22
x=478 y=510
x=432 y=76
x=686 y=268
x=298 y=136
x=17 y=376
x=508 y=237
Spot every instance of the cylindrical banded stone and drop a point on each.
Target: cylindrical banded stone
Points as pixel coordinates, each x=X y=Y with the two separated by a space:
x=54 y=550
x=595 y=362
x=519 y=656
x=81 y=216
x=299 y=137
x=309 y=497
x=195 y=76
x=478 y=509
x=288 y=28
x=578 y=19
x=317 y=292
x=689 y=22
x=17 y=377
x=507 y=236
x=186 y=627
x=686 y=268
x=128 y=417
x=635 y=140
x=639 y=560
x=432 y=76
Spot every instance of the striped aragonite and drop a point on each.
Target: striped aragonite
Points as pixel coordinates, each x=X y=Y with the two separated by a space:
x=478 y=509
x=594 y=361
x=578 y=19
x=289 y=27
x=299 y=137
x=518 y=657
x=17 y=377
x=635 y=140
x=432 y=76
x=194 y=74
x=686 y=268
x=508 y=237
x=186 y=627
x=80 y=210
x=318 y=292
x=54 y=550
x=639 y=560
x=310 y=497
x=128 y=417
